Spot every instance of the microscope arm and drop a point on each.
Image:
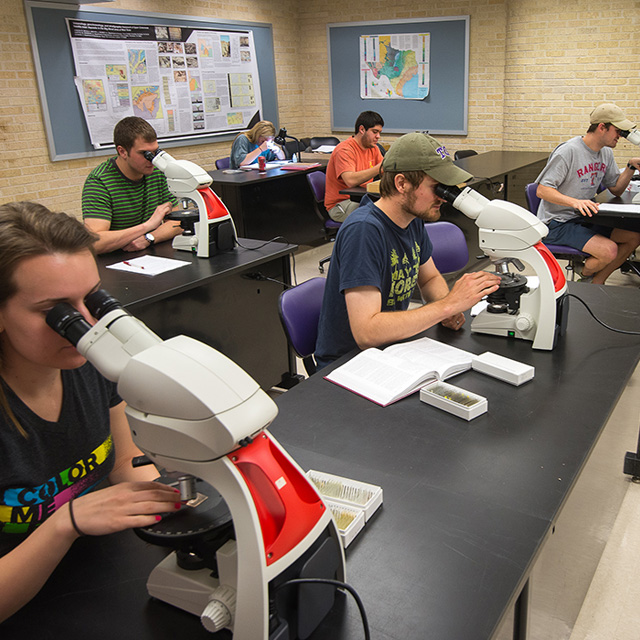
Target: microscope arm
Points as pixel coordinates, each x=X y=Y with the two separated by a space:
x=183 y=176
x=504 y=227
x=190 y=401
x=208 y=227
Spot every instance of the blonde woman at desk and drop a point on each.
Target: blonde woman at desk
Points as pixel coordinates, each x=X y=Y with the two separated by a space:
x=63 y=430
x=258 y=141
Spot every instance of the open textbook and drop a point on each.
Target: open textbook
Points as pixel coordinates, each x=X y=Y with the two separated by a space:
x=384 y=376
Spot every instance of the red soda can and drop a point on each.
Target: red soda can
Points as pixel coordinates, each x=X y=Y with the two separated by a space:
x=262 y=163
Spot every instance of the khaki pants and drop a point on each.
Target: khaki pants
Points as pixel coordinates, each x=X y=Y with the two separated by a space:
x=340 y=212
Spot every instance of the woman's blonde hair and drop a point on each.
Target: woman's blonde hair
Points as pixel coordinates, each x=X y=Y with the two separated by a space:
x=27 y=230
x=262 y=129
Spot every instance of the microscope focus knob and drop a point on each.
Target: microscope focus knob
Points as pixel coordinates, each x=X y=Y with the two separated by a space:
x=219 y=612
x=524 y=322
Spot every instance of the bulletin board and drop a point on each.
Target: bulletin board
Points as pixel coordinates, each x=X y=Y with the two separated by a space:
x=443 y=112
x=66 y=131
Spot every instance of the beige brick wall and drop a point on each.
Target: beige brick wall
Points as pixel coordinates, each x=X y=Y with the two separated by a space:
x=562 y=60
x=536 y=70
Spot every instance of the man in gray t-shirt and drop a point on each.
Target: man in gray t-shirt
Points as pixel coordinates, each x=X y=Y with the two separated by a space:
x=572 y=177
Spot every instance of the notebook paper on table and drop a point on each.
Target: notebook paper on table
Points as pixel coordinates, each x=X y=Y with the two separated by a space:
x=148 y=265
x=385 y=376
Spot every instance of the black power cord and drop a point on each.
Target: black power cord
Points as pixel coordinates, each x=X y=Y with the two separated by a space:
x=264 y=244
x=260 y=277
x=606 y=326
x=340 y=585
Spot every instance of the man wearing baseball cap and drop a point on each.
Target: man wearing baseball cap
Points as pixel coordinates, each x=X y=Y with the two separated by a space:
x=382 y=251
x=576 y=170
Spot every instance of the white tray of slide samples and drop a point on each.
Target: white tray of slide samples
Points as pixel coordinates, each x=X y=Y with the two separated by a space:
x=349 y=520
x=452 y=399
x=351 y=502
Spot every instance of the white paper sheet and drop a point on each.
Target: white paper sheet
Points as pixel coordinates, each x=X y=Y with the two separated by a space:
x=148 y=265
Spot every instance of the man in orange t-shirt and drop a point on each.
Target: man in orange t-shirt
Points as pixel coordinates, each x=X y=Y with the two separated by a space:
x=354 y=162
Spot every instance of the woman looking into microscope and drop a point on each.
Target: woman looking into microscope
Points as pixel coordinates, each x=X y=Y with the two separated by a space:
x=63 y=430
x=258 y=141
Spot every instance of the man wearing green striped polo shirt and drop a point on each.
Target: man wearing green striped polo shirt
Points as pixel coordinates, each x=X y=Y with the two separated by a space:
x=125 y=199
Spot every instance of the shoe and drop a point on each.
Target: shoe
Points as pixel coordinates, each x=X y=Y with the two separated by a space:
x=581 y=278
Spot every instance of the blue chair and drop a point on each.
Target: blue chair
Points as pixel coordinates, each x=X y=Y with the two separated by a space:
x=574 y=257
x=299 y=309
x=450 y=251
x=222 y=163
x=317 y=180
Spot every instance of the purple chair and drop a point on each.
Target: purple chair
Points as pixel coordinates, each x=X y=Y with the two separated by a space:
x=222 y=163
x=450 y=251
x=299 y=309
x=316 y=180
x=574 y=257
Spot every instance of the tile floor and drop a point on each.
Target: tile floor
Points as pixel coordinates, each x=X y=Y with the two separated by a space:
x=611 y=609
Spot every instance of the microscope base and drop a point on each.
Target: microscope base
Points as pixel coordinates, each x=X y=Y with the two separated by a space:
x=500 y=324
x=220 y=236
x=187 y=590
x=298 y=612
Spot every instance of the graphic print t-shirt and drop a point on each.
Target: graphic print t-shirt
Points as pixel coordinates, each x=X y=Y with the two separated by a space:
x=57 y=461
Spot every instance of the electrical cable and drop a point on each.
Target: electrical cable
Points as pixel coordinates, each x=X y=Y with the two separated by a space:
x=260 y=277
x=341 y=585
x=264 y=244
x=606 y=326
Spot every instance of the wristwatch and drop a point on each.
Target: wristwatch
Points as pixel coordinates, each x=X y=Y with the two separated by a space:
x=149 y=238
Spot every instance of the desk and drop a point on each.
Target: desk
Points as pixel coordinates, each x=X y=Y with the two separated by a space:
x=620 y=220
x=211 y=300
x=270 y=204
x=310 y=156
x=514 y=169
x=467 y=506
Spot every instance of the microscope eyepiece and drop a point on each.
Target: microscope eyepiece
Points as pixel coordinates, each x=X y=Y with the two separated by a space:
x=632 y=136
x=100 y=302
x=68 y=322
x=150 y=155
x=448 y=193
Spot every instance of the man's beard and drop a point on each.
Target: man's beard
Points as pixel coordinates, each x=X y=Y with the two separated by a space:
x=408 y=206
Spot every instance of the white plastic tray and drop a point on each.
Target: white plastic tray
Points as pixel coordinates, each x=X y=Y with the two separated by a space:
x=348 y=492
x=350 y=520
x=452 y=399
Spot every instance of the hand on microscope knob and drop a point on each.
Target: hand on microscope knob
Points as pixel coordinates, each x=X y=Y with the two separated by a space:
x=123 y=506
x=160 y=213
x=470 y=289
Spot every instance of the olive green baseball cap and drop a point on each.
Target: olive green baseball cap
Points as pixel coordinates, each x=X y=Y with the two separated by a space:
x=609 y=113
x=420 y=152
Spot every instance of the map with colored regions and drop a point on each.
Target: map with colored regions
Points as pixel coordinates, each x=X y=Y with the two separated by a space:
x=395 y=66
x=146 y=102
x=137 y=61
x=94 y=94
